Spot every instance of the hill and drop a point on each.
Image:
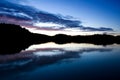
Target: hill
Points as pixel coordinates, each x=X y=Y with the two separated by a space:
x=14 y=38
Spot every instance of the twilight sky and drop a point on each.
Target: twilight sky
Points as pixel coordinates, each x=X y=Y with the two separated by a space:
x=96 y=13
x=63 y=15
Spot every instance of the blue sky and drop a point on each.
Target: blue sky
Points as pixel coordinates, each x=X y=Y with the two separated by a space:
x=70 y=15
x=95 y=13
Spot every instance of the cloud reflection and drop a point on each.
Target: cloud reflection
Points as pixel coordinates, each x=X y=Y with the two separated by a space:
x=44 y=55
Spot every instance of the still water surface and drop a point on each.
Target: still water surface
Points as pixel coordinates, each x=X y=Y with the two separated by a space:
x=72 y=61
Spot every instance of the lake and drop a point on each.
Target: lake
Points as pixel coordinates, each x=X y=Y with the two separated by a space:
x=50 y=61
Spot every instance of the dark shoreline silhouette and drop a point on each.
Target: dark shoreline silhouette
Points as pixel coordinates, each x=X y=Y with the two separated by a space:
x=97 y=39
x=14 y=38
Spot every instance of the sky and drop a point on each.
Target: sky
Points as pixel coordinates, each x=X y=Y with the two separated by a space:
x=96 y=13
x=64 y=16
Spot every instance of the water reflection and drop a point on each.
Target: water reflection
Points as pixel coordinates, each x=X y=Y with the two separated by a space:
x=48 y=53
x=44 y=55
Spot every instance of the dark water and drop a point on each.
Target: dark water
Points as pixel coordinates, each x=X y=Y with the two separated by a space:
x=62 y=62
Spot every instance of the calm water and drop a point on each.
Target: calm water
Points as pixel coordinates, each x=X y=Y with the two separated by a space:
x=50 y=61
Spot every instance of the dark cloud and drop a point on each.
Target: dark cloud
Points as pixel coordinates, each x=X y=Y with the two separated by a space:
x=29 y=15
x=97 y=29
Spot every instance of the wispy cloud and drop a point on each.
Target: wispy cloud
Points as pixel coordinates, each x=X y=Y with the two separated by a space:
x=30 y=16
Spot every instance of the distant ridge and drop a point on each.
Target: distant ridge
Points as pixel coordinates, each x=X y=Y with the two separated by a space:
x=97 y=39
x=14 y=38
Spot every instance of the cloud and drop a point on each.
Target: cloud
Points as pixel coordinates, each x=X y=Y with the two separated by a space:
x=97 y=29
x=27 y=15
